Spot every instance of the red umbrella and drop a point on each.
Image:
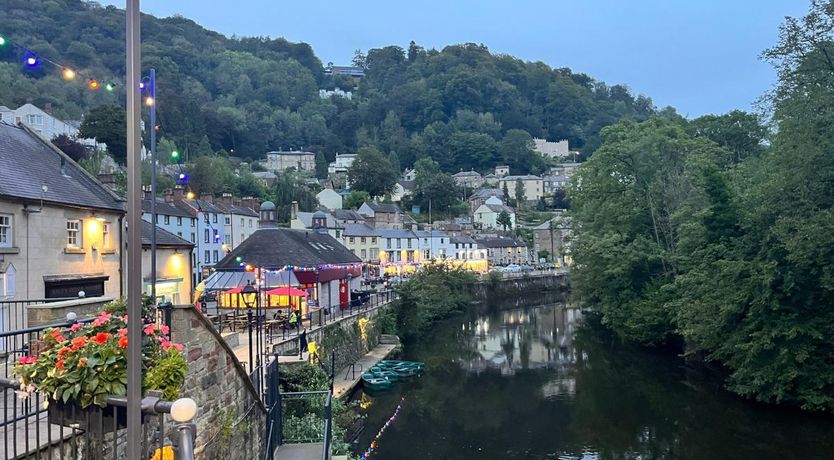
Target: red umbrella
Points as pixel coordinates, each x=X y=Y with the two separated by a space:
x=234 y=290
x=287 y=291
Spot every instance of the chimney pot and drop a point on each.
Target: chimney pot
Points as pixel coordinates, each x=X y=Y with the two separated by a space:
x=207 y=197
x=179 y=193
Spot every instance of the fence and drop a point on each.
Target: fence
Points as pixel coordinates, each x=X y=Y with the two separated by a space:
x=13 y=316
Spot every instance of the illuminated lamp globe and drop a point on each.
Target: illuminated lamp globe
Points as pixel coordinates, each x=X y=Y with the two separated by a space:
x=68 y=74
x=183 y=410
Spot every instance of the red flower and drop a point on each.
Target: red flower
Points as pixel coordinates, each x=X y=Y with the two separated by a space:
x=102 y=318
x=78 y=342
x=123 y=342
x=102 y=337
x=62 y=352
x=27 y=360
x=60 y=364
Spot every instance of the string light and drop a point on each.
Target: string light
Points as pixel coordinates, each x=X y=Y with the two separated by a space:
x=175 y=155
x=31 y=59
x=93 y=84
x=375 y=443
x=109 y=87
x=68 y=74
x=190 y=195
x=149 y=101
x=2 y=40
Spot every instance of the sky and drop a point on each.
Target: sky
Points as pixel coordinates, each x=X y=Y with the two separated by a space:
x=699 y=56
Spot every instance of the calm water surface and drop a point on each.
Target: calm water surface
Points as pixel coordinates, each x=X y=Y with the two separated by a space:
x=537 y=382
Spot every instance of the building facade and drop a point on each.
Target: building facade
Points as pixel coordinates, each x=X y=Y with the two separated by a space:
x=210 y=232
x=173 y=266
x=44 y=124
x=559 y=149
x=341 y=164
x=382 y=215
x=363 y=241
x=60 y=228
x=487 y=215
x=533 y=186
x=505 y=251
x=468 y=179
x=329 y=198
x=281 y=161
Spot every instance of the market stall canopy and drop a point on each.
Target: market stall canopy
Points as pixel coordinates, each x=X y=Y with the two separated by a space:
x=225 y=280
x=287 y=291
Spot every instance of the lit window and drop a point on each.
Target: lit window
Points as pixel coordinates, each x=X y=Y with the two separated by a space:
x=74 y=233
x=6 y=230
x=206 y=238
x=207 y=257
x=193 y=222
x=179 y=221
x=215 y=256
x=167 y=220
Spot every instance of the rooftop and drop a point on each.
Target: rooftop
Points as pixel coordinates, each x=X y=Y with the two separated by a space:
x=278 y=247
x=28 y=163
x=500 y=242
x=163 y=237
x=395 y=233
x=525 y=177
x=163 y=208
x=306 y=219
x=347 y=214
x=359 y=230
x=389 y=208
x=487 y=192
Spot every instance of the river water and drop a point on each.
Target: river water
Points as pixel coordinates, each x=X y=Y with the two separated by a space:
x=539 y=382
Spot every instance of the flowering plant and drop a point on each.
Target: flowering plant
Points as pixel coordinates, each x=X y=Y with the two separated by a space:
x=88 y=362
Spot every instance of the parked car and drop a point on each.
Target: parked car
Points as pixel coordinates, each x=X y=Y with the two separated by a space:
x=513 y=268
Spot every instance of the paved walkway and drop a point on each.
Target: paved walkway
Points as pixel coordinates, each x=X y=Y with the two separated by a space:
x=311 y=451
x=343 y=387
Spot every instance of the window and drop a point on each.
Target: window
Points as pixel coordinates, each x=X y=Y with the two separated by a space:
x=364 y=254
x=241 y=221
x=242 y=237
x=193 y=222
x=167 y=220
x=388 y=244
x=409 y=243
x=214 y=218
x=206 y=236
x=179 y=234
x=338 y=234
x=179 y=221
x=373 y=240
x=106 y=239
x=207 y=256
x=193 y=237
x=205 y=217
x=228 y=239
x=351 y=240
x=363 y=240
x=6 y=231
x=250 y=223
x=34 y=120
x=215 y=256
x=74 y=233
x=399 y=243
x=7 y=282
x=227 y=220
x=157 y=219
x=425 y=241
x=441 y=240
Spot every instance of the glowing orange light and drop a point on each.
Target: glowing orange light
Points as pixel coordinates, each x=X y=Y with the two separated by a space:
x=93 y=84
x=68 y=74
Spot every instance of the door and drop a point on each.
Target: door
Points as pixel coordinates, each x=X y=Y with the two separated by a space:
x=344 y=294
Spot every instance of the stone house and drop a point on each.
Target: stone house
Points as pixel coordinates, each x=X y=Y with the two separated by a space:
x=283 y=160
x=533 y=186
x=382 y=215
x=60 y=228
x=504 y=250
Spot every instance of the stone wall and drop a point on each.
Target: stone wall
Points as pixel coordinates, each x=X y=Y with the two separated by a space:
x=514 y=284
x=230 y=417
x=56 y=312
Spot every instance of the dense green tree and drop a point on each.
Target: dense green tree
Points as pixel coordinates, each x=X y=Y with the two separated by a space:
x=321 y=166
x=520 y=196
x=504 y=220
x=107 y=124
x=355 y=199
x=70 y=146
x=433 y=186
x=372 y=172
x=741 y=133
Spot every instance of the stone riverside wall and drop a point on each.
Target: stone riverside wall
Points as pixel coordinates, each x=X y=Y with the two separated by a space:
x=230 y=416
x=56 y=312
x=520 y=283
x=344 y=337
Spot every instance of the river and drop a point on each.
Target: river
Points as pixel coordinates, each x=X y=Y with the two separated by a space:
x=538 y=382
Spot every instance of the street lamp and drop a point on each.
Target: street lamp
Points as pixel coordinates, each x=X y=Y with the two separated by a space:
x=250 y=298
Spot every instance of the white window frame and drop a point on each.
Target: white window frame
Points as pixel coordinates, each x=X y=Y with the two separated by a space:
x=6 y=230
x=74 y=235
x=106 y=235
x=7 y=282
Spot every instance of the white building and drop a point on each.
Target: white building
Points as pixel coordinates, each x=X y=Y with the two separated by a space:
x=553 y=183
x=43 y=123
x=240 y=219
x=468 y=179
x=502 y=170
x=486 y=216
x=564 y=169
x=327 y=94
x=559 y=149
x=433 y=244
x=330 y=198
x=342 y=163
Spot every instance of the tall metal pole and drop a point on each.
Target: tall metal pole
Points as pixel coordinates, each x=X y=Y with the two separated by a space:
x=134 y=235
x=152 y=93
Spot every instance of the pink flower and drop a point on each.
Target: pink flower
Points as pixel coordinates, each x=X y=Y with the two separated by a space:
x=122 y=332
x=76 y=327
x=165 y=329
x=150 y=329
x=178 y=346
x=27 y=360
x=102 y=318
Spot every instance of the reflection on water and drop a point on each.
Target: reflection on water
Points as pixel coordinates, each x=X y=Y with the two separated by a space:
x=539 y=383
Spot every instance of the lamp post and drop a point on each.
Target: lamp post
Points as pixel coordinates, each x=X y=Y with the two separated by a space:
x=150 y=88
x=134 y=234
x=248 y=292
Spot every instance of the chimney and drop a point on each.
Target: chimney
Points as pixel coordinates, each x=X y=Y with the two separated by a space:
x=247 y=202
x=146 y=193
x=48 y=108
x=207 y=197
x=256 y=204
x=179 y=194
x=108 y=180
x=294 y=214
x=226 y=199
x=169 y=195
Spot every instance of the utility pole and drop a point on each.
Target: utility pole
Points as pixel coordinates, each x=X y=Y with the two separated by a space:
x=134 y=234
x=152 y=93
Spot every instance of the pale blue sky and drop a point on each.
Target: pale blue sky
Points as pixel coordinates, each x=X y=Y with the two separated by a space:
x=700 y=56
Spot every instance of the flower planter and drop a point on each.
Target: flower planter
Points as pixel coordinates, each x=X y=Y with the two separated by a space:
x=70 y=414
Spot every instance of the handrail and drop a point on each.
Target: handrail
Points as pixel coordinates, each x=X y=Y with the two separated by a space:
x=353 y=370
x=30 y=330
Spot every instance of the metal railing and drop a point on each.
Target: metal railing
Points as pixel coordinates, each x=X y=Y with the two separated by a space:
x=14 y=315
x=65 y=430
x=18 y=343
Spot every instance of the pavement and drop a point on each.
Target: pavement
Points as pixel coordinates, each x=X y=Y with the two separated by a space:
x=348 y=378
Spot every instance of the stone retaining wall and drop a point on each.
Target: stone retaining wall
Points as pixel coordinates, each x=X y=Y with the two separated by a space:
x=56 y=312
x=554 y=281
x=230 y=417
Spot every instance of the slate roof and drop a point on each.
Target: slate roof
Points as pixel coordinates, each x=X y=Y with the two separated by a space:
x=500 y=242
x=497 y=208
x=165 y=209
x=487 y=192
x=28 y=162
x=237 y=210
x=525 y=177
x=384 y=207
x=467 y=174
x=430 y=234
x=195 y=206
x=408 y=184
x=163 y=237
x=347 y=214
x=462 y=239
x=359 y=230
x=395 y=233
x=306 y=219
x=277 y=247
